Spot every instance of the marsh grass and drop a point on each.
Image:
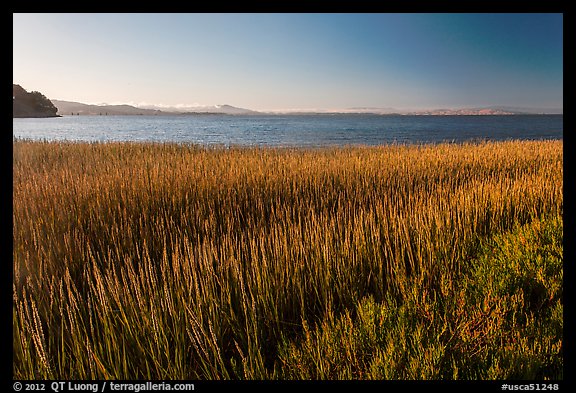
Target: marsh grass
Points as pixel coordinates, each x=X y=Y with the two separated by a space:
x=500 y=320
x=166 y=261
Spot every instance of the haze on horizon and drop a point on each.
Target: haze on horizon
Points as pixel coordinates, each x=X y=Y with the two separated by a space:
x=271 y=62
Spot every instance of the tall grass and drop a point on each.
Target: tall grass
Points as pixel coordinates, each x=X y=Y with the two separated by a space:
x=501 y=320
x=166 y=261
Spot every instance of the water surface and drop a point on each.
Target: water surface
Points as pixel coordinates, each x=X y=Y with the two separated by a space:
x=291 y=130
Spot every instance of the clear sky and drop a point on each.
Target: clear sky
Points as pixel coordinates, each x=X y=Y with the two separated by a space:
x=293 y=61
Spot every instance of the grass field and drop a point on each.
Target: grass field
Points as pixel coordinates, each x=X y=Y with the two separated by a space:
x=165 y=261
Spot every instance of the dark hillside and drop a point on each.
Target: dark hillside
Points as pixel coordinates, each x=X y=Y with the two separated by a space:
x=33 y=104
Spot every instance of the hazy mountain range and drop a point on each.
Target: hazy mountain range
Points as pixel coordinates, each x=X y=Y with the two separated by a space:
x=220 y=109
x=77 y=108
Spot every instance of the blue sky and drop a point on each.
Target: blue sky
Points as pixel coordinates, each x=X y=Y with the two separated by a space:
x=293 y=61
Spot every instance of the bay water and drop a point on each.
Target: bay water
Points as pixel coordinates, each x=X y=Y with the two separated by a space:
x=310 y=130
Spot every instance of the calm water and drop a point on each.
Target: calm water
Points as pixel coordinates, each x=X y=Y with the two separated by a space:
x=293 y=130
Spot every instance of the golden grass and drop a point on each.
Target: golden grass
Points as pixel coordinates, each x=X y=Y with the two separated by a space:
x=167 y=261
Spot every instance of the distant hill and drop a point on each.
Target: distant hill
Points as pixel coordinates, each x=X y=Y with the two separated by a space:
x=216 y=109
x=33 y=104
x=428 y=112
x=77 y=108
x=464 y=112
x=493 y=110
x=531 y=111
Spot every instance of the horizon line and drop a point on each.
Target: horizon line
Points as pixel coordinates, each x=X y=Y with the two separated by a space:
x=352 y=109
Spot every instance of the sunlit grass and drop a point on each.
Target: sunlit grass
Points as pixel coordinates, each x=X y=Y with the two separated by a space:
x=165 y=261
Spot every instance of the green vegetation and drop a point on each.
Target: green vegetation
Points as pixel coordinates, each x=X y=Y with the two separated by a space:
x=165 y=261
x=501 y=320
